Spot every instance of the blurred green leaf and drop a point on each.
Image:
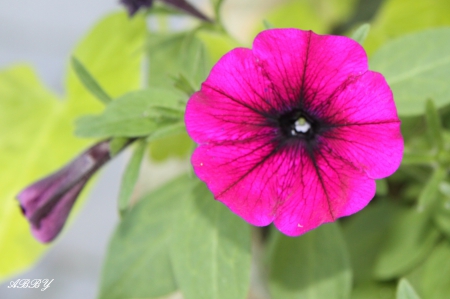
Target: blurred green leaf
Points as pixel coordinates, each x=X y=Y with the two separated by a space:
x=117 y=144
x=303 y=15
x=210 y=249
x=137 y=263
x=364 y=232
x=405 y=290
x=216 y=44
x=113 y=53
x=267 y=25
x=130 y=176
x=36 y=127
x=429 y=193
x=178 y=145
x=89 y=82
x=167 y=131
x=442 y=217
x=382 y=187
x=409 y=239
x=374 y=290
x=434 y=125
x=432 y=278
x=172 y=54
x=417 y=68
x=313 y=266
x=319 y=16
x=361 y=33
x=135 y=114
x=399 y=17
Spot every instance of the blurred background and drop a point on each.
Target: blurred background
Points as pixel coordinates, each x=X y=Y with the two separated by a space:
x=43 y=33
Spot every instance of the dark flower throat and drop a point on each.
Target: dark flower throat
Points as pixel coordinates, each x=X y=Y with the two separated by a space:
x=298 y=124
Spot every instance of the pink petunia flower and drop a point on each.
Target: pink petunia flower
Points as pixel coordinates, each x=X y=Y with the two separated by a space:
x=295 y=130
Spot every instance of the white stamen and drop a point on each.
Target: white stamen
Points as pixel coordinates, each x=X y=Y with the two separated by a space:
x=301 y=125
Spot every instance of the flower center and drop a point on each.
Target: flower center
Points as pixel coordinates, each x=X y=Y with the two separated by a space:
x=301 y=126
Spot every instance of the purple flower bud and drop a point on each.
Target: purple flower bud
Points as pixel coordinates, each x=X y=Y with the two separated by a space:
x=134 y=5
x=47 y=202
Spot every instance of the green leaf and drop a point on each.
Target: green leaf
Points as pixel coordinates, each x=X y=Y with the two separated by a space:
x=130 y=176
x=382 y=187
x=178 y=145
x=117 y=144
x=442 y=217
x=361 y=33
x=297 y=14
x=417 y=68
x=172 y=54
x=315 y=265
x=429 y=193
x=267 y=25
x=167 y=131
x=113 y=53
x=319 y=16
x=405 y=290
x=41 y=139
x=431 y=279
x=216 y=44
x=137 y=263
x=364 y=232
x=89 y=82
x=135 y=114
x=399 y=17
x=434 y=125
x=374 y=290
x=408 y=241
x=210 y=249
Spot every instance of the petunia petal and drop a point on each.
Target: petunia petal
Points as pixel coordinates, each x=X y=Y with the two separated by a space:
x=289 y=187
x=233 y=100
x=303 y=65
x=323 y=188
x=367 y=128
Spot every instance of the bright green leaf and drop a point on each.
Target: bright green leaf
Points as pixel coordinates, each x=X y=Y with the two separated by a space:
x=313 y=266
x=303 y=15
x=89 y=82
x=408 y=241
x=399 y=17
x=210 y=249
x=417 y=68
x=361 y=33
x=135 y=114
x=36 y=127
x=405 y=290
x=178 y=145
x=137 y=264
x=113 y=53
x=130 y=176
